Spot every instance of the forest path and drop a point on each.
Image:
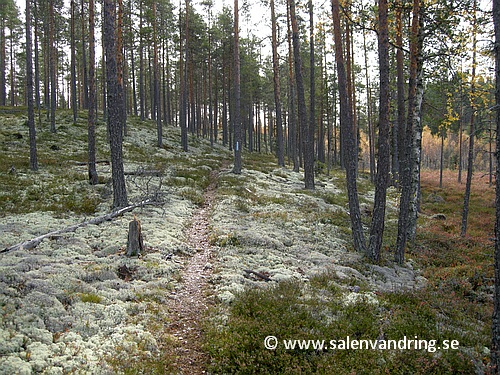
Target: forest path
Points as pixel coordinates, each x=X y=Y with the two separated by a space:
x=191 y=300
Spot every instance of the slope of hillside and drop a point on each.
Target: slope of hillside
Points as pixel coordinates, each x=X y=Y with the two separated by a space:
x=76 y=303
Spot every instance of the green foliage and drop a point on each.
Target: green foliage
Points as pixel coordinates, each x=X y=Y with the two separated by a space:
x=316 y=311
x=90 y=298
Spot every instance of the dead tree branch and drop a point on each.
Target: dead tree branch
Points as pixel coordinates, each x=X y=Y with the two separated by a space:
x=32 y=243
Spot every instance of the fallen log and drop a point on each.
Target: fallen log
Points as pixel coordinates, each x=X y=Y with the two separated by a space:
x=34 y=242
x=145 y=172
x=81 y=163
x=258 y=274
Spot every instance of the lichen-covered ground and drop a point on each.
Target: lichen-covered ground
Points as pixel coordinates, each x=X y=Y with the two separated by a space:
x=77 y=304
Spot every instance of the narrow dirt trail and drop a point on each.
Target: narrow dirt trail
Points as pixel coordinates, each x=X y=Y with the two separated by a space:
x=190 y=301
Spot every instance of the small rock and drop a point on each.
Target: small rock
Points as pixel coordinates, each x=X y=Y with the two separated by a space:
x=434 y=198
x=438 y=217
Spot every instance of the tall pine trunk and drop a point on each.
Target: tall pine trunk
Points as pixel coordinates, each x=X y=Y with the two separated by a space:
x=301 y=102
x=472 y=129
x=350 y=152
x=114 y=106
x=292 y=100
x=237 y=126
x=371 y=136
x=277 y=91
x=84 y=62
x=3 y=68
x=73 y=64
x=93 y=178
x=52 y=67
x=309 y=138
x=407 y=162
x=157 y=103
x=495 y=342
x=401 y=124
x=29 y=90
x=382 y=178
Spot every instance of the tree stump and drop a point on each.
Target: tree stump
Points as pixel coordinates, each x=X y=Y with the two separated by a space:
x=135 y=243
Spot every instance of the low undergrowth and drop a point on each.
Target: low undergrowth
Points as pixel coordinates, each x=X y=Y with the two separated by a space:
x=454 y=308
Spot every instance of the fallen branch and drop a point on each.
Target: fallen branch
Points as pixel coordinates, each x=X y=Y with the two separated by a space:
x=145 y=172
x=258 y=274
x=30 y=244
x=81 y=163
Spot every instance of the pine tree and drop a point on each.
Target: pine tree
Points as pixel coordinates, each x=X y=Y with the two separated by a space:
x=29 y=90
x=93 y=178
x=350 y=152
x=114 y=106
x=238 y=136
x=382 y=178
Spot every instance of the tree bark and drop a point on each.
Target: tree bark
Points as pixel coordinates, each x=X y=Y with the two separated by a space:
x=120 y=68
x=3 y=59
x=350 y=153
x=495 y=342
x=301 y=103
x=114 y=107
x=416 y=148
x=401 y=125
x=93 y=178
x=280 y=151
x=184 y=80
x=292 y=114
x=52 y=67
x=84 y=62
x=156 y=73
x=238 y=136
x=382 y=179
x=29 y=90
x=309 y=145
x=135 y=243
x=472 y=129
x=371 y=137
x=73 y=64
x=406 y=163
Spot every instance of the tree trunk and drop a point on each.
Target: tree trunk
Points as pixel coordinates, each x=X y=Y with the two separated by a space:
x=309 y=144
x=184 y=80
x=470 y=162
x=401 y=124
x=84 y=62
x=371 y=137
x=73 y=64
x=114 y=107
x=237 y=94
x=382 y=180
x=292 y=115
x=93 y=178
x=142 y=98
x=37 y=67
x=495 y=342
x=416 y=149
x=52 y=67
x=301 y=103
x=441 y=161
x=135 y=243
x=350 y=153
x=3 y=68
x=406 y=162
x=157 y=103
x=277 y=91
x=119 y=68
x=29 y=90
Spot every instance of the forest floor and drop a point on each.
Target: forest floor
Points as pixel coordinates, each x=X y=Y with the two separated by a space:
x=229 y=260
